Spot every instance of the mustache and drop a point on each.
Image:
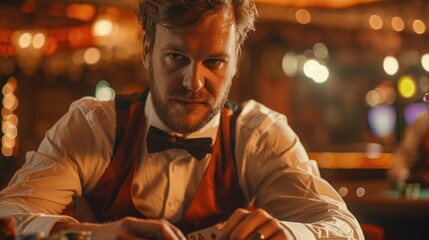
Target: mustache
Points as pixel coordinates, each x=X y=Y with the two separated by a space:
x=201 y=95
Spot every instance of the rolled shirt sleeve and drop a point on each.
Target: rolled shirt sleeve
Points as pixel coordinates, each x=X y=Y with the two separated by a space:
x=275 y=167
x=51 y=176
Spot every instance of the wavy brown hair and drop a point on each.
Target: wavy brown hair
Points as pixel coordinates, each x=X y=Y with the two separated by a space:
x=186 y=12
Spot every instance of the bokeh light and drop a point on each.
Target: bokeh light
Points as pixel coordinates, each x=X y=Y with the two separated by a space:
x=103 y=91
x=290 y=64
x=310 y=67
x=6 y=151
x=406 y=87
x=321 y=51
x=373 y=98
x=425 y=61
x=398 y=24
x=24 y=40
x=382 y=120
x=373 y=150
x=10 y=130
x=12 y=118
x=413 y=111
x=384 y=93
x=38 y=40
x=9 y=119
x=419 y=26
x=303 y=16
x=321 y=75
x=316 y=71
x=375 y=22
x=390 y=65
x=343 y=191
x=8 y=141
x=360 y=191
x=102 y=28
x=10 y=102
x=91 y=56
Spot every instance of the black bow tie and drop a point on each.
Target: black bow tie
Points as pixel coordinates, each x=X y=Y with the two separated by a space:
x=158 y=141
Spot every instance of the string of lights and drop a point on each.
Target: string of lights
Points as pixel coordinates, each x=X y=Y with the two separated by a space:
x=9 y=139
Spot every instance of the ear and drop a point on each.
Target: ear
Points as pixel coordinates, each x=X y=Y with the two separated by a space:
x=145 y=51
x=238 y=58
x=238 y=52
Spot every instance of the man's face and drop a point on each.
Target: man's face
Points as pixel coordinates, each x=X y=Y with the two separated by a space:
x=191 y=70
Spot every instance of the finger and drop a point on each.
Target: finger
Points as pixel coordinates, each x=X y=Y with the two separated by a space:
x=153 y=228
x=250 y=224
x=270 y=228
x=177 y=231
x=227 y=228
x=164 y=230
x=256 y=236
x=274 y=229
x=126 y=236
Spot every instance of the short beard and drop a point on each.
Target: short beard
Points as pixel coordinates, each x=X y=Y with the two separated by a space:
x=177 y=124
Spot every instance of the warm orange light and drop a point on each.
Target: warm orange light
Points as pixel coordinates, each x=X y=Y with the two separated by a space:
x=83 y=12
x=9 y=121
x=75 y=37
x=303 y=16
x=398 y=24
x=419 y=26
x=7 y=152
x=375 y=22
x=50 y=46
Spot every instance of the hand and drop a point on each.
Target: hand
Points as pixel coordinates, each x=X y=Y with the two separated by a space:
x=128 y=228
x=245 y=224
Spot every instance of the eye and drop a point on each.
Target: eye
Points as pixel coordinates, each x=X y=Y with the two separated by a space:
x=177 y=57
x=214 y=63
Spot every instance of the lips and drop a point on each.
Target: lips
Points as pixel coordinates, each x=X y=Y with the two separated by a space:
x=191 y=101
x=191 y=104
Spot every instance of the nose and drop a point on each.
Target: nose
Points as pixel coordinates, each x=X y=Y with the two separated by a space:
x=194 y=77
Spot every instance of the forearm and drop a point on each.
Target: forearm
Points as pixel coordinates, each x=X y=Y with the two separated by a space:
x=125 y=228
x=73 y=226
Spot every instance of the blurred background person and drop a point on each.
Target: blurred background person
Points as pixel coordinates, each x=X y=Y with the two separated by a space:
x=411 y=158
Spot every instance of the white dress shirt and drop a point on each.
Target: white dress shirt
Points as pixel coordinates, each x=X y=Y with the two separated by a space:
x=271 y=162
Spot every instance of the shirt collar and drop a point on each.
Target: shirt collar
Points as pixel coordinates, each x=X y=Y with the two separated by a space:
x=152 y=118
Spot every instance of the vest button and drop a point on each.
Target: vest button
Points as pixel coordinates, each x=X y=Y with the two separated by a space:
x=172 y=203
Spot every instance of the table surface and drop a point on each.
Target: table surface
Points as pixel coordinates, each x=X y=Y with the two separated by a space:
x=379 y=198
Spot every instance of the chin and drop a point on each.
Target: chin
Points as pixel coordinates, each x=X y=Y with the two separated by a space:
x=186 y=121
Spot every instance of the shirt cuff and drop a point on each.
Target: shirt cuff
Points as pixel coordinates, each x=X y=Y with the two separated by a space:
x=44 y=223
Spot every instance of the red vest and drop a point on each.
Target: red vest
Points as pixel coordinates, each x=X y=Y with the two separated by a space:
x=217 y=196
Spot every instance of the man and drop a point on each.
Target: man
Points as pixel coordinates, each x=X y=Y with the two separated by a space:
x=111 y=153
x=411 y=157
